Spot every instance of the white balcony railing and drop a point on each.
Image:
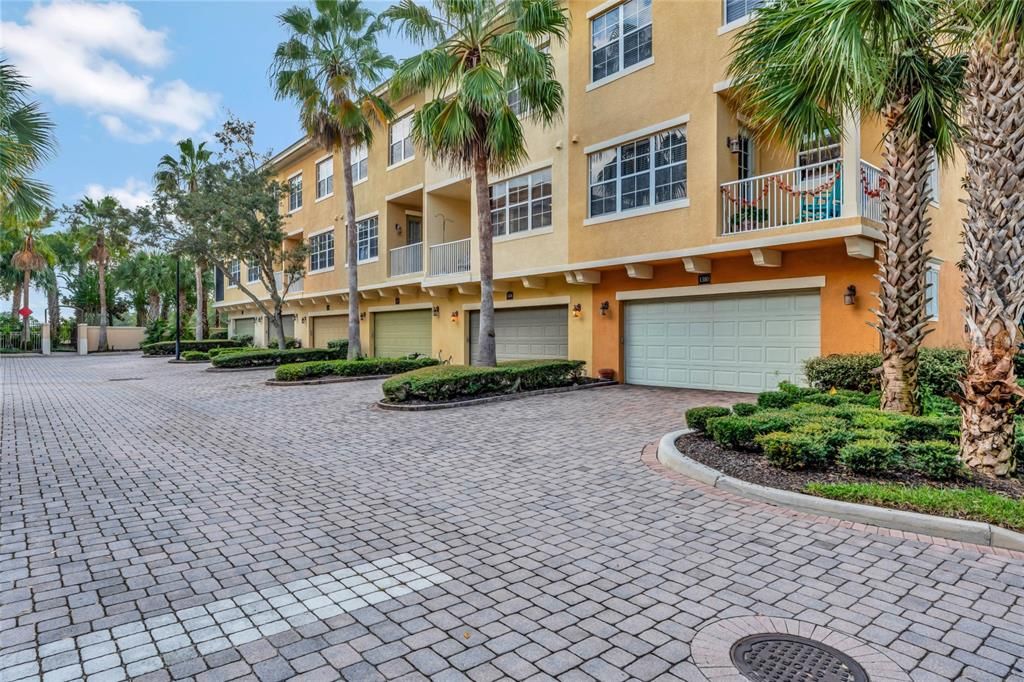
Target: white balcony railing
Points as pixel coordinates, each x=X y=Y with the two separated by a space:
x=296 y=286
x=450 y=258
x=871 y=180
x=797 y=195
x=406 y=260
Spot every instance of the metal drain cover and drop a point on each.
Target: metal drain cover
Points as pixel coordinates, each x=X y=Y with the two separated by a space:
x=126 y=379
x=775 y=657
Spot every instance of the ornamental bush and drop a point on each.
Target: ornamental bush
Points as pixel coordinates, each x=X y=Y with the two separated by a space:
x=929 y=429
x=794 y=450
x=367 y=367
x=697 y=417
x=214 y=352
x=776 y=400
x=455 y=382
x=340 y=345
x=733 y=431
x=937 y=459
x=938 y=371
x=744 y=409
x=271 y=357
x=870 y=456
x=167 y=347
x=195 y=355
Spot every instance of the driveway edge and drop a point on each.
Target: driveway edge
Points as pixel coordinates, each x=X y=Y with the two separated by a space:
x=973 y=532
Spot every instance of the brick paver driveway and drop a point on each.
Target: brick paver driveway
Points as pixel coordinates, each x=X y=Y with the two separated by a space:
x=161 y=522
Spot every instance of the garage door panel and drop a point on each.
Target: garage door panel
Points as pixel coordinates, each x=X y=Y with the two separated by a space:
x=326 y=328
x=400 y=333
x=742 y=343
x=527 y=333
x=245 y=326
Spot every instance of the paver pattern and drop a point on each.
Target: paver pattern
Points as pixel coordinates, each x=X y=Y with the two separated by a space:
x=136 y=515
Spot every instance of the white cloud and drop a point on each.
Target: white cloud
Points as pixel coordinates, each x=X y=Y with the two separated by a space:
x=80 y=53
x=132 y=194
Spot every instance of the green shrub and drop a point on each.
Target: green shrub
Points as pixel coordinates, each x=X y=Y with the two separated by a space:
x=292 y=342
x=939 y=369
x=811 y=409
x=794 y=450
x=697 y=417
x=243 y=339
x=270 y=357
x=876 y=419
x=744 y=409
x=167 y=347
x=195 y=355
x=873 y=434
x=340 y=345
x=870 y=456
x=835 y=398
x=937 y=405
x=849 y=411
x=855 y=372
x=214 y=352
x=777 y=400
x=453 y=382
x=937 y=459
x=929 y=428
x=218 y=333
x=304 y=371
x=741 y=432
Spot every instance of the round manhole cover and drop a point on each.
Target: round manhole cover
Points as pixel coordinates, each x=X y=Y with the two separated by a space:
x=776 y=657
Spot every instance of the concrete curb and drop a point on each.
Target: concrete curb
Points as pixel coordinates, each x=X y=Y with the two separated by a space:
x=325 y=380
x=225 y=370
x=973 y=532
x=172 y=361
x=398 y=407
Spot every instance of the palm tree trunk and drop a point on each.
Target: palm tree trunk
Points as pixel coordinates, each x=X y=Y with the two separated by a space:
x=355 y=348
x=487 y=353
x=200 y=303
x=26 y=288
x=902 y=265
x=53 y=304
x=16 y=302
x=153 y=301
x=102 y=277
x=993 y=254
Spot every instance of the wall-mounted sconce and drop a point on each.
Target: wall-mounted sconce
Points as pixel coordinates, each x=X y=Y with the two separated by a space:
x=398 y=228
x=436 y=311
x=577 y=310
x=303 y=320
x=850 y=297
x=362 y=316
x=455 y=317
x=604 y=308
x=735 y=144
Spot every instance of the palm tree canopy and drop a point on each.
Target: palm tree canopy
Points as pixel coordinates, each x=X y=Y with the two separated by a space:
x=331 y=64
x=481 y=50
x=33 y=253
x=183 y=172
x=802 y=64
x=26 y=141
x=101 y=226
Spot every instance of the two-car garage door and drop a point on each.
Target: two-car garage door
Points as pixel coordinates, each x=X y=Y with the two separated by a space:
x=746 y=343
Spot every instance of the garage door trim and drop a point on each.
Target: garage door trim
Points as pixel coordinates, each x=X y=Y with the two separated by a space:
x=760 y=286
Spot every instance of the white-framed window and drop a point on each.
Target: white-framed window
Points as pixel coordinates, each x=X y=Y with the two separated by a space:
x=931 y=289
x=234 y=272
x=400 y=137
x=252 y=271
x=325 y=178
x=521 y=204
x=366 y=239
x=734 y=10
x=620 y=38
x=645 y=172
x=360 y=163
x=819 y=149
x=321 y=251
x=295 y=193
x=933 y=179
x=515 y=100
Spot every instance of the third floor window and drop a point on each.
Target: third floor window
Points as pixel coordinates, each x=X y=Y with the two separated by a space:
x=360 y=163
x=620 y=38
x=738 y=9
x=521 y=204
x=325 y=178
x=401 y=140
x=295 y=193
x=321 y=251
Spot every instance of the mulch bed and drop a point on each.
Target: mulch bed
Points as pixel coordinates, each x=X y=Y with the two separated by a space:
x=754 y=468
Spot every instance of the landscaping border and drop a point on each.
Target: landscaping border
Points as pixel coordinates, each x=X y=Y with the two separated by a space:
x=326 y=380
x=423 y=407
x=172 y=361
x=973 y=532
x=225 y=370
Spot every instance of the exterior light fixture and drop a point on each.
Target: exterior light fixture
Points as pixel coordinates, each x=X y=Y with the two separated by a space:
x=735 y=144
x=604 y=308
x=850 y=297
x=398 y=228
x=362 y=316
x=436 y=311
x=577 y=310
x=455 y=317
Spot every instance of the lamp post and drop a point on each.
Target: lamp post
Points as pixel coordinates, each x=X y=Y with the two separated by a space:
x=177 y=307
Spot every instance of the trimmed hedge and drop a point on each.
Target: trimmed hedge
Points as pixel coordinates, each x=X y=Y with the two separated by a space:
x=214 y=352
x=455 y=382
x=339 y=345
x=697 y=417
x=304 y=371
x=195 y=355
x=936 y=459
x=271 y=357
x=870 y=456
x=167 y=347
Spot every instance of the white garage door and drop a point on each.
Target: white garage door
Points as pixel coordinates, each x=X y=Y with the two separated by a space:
x=525 y=333
x=728 y=343
x=329 y=328
x=401 y=333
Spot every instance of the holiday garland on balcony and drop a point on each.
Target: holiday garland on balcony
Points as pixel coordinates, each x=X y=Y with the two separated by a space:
x=824 y=188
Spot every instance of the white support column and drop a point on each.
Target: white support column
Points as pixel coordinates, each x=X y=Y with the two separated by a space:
x=851 y=165
x=44 y=338
x=83 y=339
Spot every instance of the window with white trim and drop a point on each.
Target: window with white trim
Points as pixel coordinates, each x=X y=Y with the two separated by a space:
x=360 y=163
x=819 y=149
x=737 y=9
x=638 y=174
x=620 y=38
x=234 y=272
x=295 y=193
x=933 y=178
x=521 y=204
x=325 y=178
x=366 y=239
x=931 y=291
x=321 y=251
x=252 y=271
x=400 y=140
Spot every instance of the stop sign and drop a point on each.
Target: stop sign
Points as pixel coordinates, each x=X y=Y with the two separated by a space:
x=25 y=312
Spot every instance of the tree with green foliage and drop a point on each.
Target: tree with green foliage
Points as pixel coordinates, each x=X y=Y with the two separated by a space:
x=477 y=52
x=801 y=66
x=330 y=64
x=26 y=141
x=32 y=257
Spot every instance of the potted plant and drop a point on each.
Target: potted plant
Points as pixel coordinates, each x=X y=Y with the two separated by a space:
x=749 y=218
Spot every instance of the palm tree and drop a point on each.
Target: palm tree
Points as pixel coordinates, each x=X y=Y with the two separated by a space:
x=993 y=272
x=801 y=66
x=330 y=63
x=31 y=257
x=103 y=228
x=479 y=50
x=26 y=141
x=183 y=173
